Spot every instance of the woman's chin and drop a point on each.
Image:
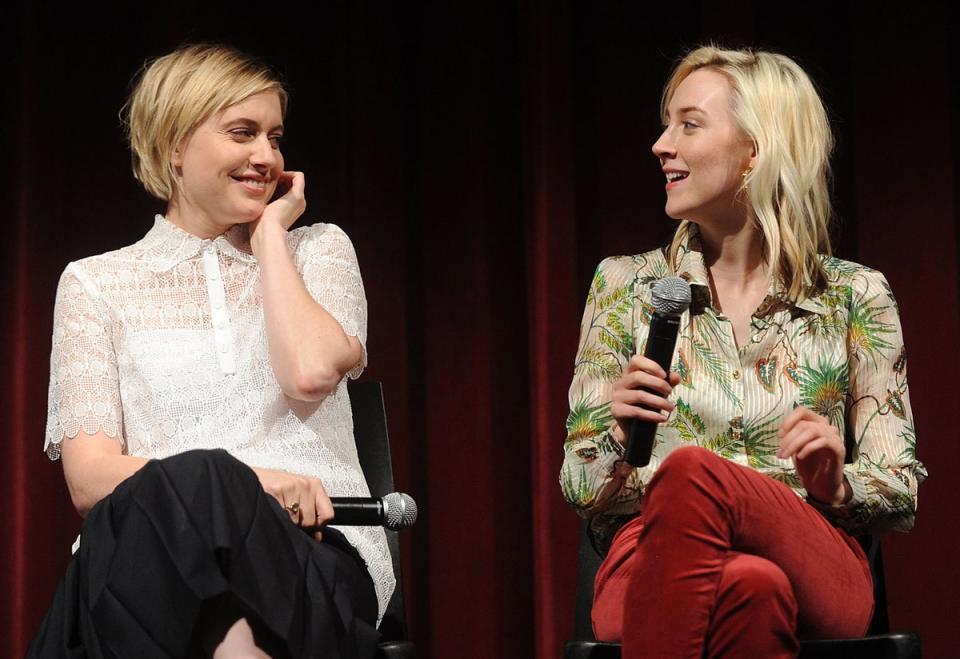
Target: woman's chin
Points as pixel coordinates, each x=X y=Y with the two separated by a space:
x=249 y=213
x=673 y=213
x=682 y=213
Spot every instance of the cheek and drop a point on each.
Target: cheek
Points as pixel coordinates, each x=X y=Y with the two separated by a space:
x=196 y=177
x=721 y=173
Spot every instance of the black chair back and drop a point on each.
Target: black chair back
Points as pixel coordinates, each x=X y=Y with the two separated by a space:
x=373 y=449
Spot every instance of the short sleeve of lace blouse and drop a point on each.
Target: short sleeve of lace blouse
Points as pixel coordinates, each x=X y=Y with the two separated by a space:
x=84 y=391
x=328 y=264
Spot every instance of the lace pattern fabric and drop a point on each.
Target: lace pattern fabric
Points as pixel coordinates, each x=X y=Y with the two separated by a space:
x=162 y=345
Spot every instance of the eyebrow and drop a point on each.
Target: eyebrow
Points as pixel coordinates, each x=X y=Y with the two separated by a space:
x=685 y=110
x=250 y=123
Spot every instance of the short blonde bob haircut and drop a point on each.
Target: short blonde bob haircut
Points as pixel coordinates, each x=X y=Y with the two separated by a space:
x=175 y=93
x=777 y=107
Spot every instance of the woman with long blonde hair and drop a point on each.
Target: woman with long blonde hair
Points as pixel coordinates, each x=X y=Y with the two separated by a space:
x=784 y=426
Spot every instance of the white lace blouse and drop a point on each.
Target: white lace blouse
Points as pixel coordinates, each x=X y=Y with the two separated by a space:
x=162 y=345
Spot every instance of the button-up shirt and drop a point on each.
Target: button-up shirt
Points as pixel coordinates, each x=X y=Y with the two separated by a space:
x=839 y=353
x=163 y=346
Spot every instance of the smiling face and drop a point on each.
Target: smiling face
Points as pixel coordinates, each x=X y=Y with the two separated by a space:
x=702 y=151
x=227 y=169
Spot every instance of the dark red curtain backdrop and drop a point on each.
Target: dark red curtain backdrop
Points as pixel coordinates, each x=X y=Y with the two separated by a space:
x=483 y=156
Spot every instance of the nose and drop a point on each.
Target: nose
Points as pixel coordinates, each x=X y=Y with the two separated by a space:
x=664 y=147
x=263 y=154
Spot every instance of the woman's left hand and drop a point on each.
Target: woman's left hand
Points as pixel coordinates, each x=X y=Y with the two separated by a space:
x=283 y=211
x=303 y=497
x=817 y=450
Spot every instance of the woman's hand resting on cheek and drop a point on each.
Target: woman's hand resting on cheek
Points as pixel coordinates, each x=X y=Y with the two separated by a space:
x=288 y=205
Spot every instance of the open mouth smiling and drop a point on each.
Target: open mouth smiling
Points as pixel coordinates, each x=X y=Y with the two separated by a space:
x=256 y=185
x=674 y=177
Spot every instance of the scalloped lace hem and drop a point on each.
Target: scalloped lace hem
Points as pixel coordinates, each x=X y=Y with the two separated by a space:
x=52 y=446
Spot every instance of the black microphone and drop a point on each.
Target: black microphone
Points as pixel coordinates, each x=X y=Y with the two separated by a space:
x=395 y=511
x=671 y=297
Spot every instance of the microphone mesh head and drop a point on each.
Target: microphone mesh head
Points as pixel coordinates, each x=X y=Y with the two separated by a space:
x=399 y=511
x=671 y=295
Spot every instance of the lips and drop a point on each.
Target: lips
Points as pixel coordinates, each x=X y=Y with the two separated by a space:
x=256 y=185
x=675 y=177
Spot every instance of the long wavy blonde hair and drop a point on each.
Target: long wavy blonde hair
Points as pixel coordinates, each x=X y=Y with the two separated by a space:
x=778 y=108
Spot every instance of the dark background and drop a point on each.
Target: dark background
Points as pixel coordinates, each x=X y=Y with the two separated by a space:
x=483 y=156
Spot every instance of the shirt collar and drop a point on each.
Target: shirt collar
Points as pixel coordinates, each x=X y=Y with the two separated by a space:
x=167 y=245
x=693 y=269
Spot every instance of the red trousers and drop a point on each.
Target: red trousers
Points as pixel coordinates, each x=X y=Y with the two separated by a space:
x=727 y=562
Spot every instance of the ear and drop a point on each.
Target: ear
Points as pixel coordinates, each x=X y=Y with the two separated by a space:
x=752 y=163
x=176 y=158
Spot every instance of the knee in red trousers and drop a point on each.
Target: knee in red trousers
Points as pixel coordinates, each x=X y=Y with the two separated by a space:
x=755 y=613
x=682 y=462
x=684 y=468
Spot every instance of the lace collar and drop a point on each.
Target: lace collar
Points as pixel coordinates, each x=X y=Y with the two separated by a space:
x=167 y=245
x=693 y=268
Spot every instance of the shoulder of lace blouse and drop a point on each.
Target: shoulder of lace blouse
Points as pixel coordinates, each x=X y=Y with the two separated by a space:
x=89 y=269
x=77 y=293
x=321 y=239
x=76 y=271
x=320 y=247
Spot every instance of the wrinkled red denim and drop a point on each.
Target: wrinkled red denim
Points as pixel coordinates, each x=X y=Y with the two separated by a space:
x=727 y=562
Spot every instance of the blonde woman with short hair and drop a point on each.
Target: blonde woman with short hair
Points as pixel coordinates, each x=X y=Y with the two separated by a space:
x=198 y=397
x=784 y=427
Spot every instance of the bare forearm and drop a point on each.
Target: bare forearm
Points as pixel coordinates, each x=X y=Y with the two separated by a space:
x=92 y=476
x=309 y=351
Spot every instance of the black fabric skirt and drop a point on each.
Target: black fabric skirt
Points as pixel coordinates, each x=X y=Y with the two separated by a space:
x=186 y=546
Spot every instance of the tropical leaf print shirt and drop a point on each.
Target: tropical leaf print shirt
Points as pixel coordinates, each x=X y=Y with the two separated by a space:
x=839 y=353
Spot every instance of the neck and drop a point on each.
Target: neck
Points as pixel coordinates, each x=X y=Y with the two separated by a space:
x=193 y=221
x=734 y=254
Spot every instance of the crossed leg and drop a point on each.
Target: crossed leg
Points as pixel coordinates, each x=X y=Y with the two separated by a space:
x=729 y=562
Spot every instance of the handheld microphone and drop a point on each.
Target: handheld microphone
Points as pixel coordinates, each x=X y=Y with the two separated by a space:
x=671 y=297
x=394 y=511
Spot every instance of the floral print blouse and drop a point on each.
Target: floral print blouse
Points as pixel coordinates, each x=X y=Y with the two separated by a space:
x=839 y=353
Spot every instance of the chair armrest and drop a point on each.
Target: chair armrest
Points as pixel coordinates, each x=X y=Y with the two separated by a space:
x=900 y=645
x=591 y=650
x=395 y=650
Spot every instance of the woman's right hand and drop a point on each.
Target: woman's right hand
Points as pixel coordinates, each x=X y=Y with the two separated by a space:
x=642 y=383
x=303 y=497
